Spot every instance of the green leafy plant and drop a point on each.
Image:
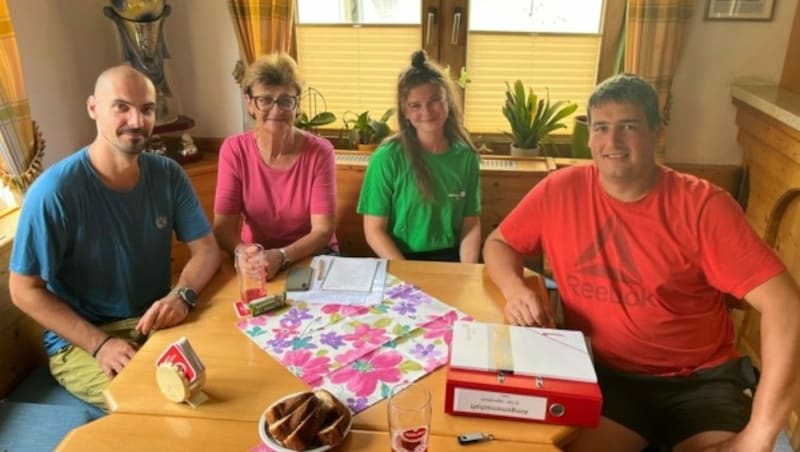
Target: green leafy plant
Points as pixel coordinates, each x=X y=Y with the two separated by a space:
x=318 y=120
x=313 y=117
x=363 y=129
x=532 y=118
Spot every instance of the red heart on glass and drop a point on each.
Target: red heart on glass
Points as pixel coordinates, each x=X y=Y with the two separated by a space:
x=412 y=438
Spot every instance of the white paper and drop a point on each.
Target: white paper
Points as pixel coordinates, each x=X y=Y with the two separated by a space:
x=350 y=274
x=317 y=295
x=539 y=352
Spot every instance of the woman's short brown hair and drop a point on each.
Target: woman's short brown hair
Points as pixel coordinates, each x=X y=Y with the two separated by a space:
x=275 y=69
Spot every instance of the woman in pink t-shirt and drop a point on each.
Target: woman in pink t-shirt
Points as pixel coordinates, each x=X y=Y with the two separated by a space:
x=276 y=184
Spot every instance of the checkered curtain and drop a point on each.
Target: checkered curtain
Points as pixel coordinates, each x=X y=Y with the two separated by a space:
x=656 y=31
x=262 y=27
x=21 y=148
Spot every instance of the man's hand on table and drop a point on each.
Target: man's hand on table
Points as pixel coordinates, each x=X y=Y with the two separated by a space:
x=524 y=308
x=166 y=312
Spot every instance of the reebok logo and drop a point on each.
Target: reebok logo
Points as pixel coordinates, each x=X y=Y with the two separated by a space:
x=605 y=271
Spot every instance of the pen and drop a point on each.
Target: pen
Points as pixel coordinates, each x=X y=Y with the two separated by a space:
x=320 y=269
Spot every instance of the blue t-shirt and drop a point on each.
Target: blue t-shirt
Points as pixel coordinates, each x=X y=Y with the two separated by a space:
x=103 y=252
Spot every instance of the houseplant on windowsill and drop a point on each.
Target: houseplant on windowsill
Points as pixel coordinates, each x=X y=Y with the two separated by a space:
x=365 y=132
x=310 y=118
x=532 y=118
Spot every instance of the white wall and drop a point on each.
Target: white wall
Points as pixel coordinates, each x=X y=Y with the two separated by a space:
x=718 y=53
x=64 y=45
x=63 y=49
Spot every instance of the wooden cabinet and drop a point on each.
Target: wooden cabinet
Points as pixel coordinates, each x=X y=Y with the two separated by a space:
x=771 y=161
x=203 y=175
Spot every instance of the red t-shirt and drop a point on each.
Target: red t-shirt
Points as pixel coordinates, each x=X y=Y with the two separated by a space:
x=644 y=280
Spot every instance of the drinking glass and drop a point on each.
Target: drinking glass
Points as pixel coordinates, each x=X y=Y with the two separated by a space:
x=409 y=418
x=250 y=266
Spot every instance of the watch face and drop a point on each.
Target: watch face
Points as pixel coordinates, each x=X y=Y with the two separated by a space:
x=188 y=295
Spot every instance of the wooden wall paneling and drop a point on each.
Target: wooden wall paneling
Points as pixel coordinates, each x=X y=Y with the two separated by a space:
x=21 y=348
x=349 y=224
x=203 y=175
x=771 y=160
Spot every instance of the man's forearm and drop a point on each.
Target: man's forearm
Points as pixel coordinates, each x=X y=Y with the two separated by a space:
x=778 y=390
x=53 y=314
x=201 y=266
x=504 y=265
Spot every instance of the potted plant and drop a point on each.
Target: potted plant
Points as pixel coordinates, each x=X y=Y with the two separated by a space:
x=365 y=132
x=316 y=118
x=532 y=118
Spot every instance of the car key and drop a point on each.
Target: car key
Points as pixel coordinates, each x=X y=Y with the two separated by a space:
x=473 y=438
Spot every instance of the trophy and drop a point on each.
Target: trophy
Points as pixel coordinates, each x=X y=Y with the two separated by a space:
x=140 y=29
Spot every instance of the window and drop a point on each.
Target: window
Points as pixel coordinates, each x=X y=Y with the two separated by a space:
x=552 y=46
x=353 y=50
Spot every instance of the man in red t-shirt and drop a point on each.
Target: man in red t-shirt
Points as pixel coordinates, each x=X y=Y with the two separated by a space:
x=643 y=256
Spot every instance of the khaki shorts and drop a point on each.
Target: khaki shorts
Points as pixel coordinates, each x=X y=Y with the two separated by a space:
x=80 y=374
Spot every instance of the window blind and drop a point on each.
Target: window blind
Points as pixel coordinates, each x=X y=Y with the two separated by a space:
x=355 y=68
x=564 y=64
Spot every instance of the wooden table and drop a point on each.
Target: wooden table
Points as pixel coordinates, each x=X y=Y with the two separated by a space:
x=137 y=433
x=242 y=379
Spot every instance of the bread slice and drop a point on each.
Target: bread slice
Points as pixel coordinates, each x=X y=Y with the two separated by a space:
x=285 y=426
x=334 y=428
x=333 y=433
x=305 y=435
x=280 y=410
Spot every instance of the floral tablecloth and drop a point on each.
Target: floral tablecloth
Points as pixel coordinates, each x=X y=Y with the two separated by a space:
x=359 y=353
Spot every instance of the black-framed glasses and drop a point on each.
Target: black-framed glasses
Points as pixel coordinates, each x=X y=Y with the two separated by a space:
x=285 y=102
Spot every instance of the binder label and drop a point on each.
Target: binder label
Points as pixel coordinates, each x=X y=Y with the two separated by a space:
x=499 y=404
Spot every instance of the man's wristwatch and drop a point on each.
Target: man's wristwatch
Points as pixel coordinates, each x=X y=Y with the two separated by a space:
x=285 y=256
x=188 y=296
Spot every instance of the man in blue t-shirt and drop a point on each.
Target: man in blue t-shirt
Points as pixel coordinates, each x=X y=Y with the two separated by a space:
x=91 y=258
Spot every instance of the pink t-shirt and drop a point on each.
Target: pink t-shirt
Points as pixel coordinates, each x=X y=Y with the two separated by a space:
x=276 y=204
x=644 y=280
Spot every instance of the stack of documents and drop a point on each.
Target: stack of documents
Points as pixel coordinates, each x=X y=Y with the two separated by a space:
x=345 y=280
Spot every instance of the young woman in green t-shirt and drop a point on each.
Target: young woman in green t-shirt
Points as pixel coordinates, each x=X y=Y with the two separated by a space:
x=421 y=193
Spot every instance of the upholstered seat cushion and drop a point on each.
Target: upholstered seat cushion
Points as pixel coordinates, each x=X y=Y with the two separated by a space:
x=37 y=427
x=41 y=387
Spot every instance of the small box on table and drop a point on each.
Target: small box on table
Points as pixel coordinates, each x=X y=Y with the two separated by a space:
x=533 y=374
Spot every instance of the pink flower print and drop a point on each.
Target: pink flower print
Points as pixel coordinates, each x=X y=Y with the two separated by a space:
x=331 y=308
x=441 y=327
x=284 y=332
x=364 y=334
x=363 y=375
x=350 y=356
x=353 y=311
x=305 y=365
x=258 y=320
x=345 y=310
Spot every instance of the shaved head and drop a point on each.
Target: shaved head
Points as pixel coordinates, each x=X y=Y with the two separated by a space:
x=108 y=78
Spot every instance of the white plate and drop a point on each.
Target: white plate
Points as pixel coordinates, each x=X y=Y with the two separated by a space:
x=267 y=438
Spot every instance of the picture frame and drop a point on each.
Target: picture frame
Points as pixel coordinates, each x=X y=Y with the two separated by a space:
x=758 y=10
